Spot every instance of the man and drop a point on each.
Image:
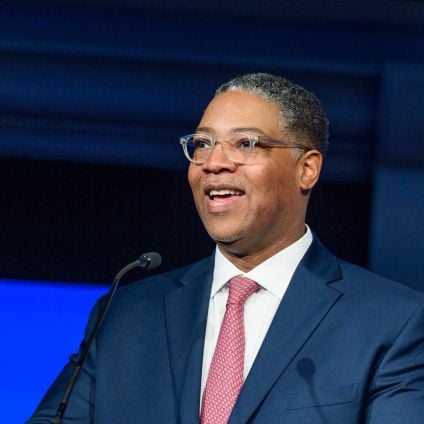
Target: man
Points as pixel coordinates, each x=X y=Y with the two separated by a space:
x=304 y=338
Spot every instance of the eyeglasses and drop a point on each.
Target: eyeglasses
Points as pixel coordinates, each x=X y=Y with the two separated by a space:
x=239 y=148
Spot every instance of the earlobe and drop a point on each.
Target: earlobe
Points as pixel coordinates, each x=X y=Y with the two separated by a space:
x=311 y=164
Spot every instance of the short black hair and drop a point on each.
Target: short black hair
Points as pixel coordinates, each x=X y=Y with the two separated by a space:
x=300 y=109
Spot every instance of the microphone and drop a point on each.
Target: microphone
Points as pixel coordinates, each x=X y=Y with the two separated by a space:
x=149 y=260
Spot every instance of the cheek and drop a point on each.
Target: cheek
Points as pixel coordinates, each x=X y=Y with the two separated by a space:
x=194 y=180
x=267 y=183
x=193 y=177
x=272 y=191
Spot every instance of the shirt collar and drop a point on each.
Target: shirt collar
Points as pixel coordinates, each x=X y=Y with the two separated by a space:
x=273 y=275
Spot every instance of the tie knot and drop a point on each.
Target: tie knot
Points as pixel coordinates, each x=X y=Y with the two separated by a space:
x=241 y=288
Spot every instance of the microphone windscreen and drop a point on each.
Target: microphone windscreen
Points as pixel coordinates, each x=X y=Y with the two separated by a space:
x=150 y=260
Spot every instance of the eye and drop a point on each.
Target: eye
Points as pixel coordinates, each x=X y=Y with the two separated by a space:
x=201 y=142
x=244 y=143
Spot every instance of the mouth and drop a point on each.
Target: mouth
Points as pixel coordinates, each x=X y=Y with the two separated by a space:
x=222 y=198
x=223 y=193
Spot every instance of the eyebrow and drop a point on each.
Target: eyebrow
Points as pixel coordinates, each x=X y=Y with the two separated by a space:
x=233 y=130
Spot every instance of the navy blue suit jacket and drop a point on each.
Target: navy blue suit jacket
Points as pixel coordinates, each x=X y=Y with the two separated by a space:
x=345 y=346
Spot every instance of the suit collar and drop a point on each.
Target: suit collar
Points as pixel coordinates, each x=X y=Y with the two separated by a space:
x=186 y=312
x=320 y=262
x=307 y=301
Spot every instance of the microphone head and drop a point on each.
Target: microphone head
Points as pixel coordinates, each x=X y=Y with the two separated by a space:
x=150 y=260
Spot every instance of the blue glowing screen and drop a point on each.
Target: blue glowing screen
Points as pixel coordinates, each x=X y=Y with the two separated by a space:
x=42 y=323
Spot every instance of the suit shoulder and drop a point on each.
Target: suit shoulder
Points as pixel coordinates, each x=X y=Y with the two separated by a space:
x=373 y=286
x=357 y=281
x=160 y=284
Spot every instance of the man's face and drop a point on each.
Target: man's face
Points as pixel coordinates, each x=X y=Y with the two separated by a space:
x=257 y=205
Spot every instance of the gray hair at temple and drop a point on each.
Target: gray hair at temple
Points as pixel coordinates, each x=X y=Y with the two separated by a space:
x=300 y=109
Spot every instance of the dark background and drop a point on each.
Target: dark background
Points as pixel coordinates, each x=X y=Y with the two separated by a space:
x=94 y=95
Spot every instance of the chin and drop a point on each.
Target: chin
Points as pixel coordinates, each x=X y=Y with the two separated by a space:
x=224 y=237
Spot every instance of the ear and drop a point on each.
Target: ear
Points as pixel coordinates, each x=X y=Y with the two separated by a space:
x=310 y=165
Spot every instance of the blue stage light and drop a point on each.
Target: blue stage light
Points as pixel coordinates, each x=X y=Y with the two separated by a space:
x=42 y=323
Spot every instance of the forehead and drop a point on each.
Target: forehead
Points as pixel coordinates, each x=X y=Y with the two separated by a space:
x=235 y=109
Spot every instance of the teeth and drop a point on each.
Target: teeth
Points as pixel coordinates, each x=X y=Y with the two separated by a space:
x=224 y=192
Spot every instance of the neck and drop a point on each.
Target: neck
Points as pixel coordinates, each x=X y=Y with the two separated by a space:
x=246 y=260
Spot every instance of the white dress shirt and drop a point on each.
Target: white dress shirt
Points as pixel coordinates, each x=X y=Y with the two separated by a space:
x=273 y=275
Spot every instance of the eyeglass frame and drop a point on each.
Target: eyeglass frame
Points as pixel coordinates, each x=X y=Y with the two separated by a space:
x=253 y=139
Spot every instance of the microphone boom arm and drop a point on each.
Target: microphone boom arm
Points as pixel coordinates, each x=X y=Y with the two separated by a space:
x=148 y=260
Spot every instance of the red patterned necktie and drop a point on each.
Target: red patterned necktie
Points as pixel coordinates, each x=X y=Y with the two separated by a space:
x=225 y=376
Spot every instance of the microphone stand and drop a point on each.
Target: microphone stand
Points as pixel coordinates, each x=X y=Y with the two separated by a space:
x=149 y=260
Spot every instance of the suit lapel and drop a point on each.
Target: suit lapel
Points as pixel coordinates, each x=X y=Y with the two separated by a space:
x=186 y=312
x=307 y=300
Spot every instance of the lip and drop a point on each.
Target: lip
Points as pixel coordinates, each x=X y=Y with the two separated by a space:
x=208 y=187
x=221 y=205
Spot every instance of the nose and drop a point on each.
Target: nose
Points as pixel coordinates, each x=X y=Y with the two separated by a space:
x=218 y=161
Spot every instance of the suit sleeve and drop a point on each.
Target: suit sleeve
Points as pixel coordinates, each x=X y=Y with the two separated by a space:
x=80 y=408
x=397 y=393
